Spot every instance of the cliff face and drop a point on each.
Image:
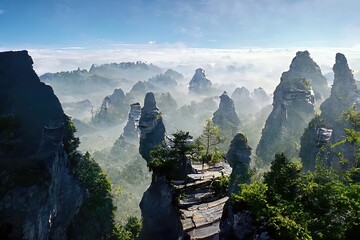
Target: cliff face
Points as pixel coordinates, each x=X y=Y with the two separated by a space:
x=344 y=92
x=39 y=195
x=199 y=83
x=160 y=218
x=327 y=128
x=293 y=108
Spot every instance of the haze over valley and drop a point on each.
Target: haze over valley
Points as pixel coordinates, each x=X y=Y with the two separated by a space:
x=175 y=120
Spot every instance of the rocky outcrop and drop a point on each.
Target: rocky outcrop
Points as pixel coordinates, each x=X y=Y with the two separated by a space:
x=131 y=131
x=152 y=129
x=199 y=84
x=293 y=108
x=200 y=206
x=314 y=141
x=39 y=194
x=129 y=139
x=237 y=224
x=113 y=109
x=344 y=92
x=226 y=118
x=239 y=159
x=328 y=128
x=160 y=217
x=303 y=66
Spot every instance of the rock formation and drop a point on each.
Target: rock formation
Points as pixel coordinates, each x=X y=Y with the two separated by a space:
x=293 y=108
x=39 y=194
x=303 y=66
x=199 y=84
x=328 y=128
x=343 y=92
x=160 y=218
x=129 y=139
x=201 y=207
x=239 y=159
x=113 y=109
x=236 y=223
x=226 y=118
x=152 y=129
x=316 y=137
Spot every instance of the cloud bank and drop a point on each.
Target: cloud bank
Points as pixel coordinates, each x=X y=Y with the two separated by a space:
x=251 y=68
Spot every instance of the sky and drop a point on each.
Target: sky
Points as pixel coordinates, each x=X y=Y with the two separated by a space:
x=256 y=39
x=195 y=23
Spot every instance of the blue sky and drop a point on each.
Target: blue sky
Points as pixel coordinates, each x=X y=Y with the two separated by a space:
x=194 y=23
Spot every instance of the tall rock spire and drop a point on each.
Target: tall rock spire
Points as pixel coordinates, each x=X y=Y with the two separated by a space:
x=327 y=129
x=226 y=118
x=293 y=108
x=152 y=129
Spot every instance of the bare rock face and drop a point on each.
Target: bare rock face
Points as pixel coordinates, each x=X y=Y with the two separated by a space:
x=39 y=195
x=161 y=219
x=131 y=131
x=343 y=92
x=226 y=118
x=293 y=108
x=316 y=136
x=199 y=84
x=152 y=129
x=327 y=129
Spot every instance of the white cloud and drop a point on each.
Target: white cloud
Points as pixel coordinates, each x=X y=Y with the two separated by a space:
x=232 y=67
x=2 y=11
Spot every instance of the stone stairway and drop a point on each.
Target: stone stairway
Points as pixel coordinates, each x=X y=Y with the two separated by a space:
x=199 y=207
